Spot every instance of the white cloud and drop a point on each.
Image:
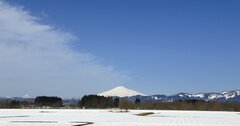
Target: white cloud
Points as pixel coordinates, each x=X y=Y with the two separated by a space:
x=37 y=59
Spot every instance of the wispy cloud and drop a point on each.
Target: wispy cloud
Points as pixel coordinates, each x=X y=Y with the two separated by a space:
x=36 y=58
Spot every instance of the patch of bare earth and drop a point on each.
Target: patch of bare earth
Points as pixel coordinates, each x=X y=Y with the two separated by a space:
x=34 y=121
x=144 y=113
x=118 y=111
x=14 y=116
x=81 y=123
x=47 y=112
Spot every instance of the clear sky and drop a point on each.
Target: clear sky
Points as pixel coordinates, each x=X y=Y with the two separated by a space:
x=152 y=46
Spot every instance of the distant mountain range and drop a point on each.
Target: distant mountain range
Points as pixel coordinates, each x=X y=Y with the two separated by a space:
x=123 y=92
x=29 y=99
x=120 y=91
x=226 y=96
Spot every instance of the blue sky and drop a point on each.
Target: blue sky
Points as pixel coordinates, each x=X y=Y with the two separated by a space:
x=153 y=46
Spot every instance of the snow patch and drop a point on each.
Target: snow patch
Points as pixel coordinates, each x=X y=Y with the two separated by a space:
x=199 y=95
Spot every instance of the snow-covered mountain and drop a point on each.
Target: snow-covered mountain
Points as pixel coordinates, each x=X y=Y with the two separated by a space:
x=212 y=96
x=222 y=96
x=121 y=91
x=26 y=96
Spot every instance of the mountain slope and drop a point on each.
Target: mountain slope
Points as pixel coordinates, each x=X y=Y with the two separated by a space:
x=231 y=96
x=120 y=91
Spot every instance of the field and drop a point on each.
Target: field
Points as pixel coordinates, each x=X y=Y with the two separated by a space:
x=66 y=117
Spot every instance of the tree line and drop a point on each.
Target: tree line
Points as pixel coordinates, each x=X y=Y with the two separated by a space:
x=186 y=105
x=48 y=101
x=96 y=102
x=40 y=101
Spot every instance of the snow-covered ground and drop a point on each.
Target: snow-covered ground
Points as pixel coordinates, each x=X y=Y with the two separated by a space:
x=61 y=117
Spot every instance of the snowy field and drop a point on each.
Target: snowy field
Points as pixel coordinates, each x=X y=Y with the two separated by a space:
x=61 y=117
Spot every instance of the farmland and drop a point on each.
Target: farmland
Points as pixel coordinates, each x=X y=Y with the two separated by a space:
x=104 y=117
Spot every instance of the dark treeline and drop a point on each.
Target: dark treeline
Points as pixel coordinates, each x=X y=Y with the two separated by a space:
x=39 y=102
x=186 y=105
x=49 y=101
x=95 y=101
x=15 y=104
